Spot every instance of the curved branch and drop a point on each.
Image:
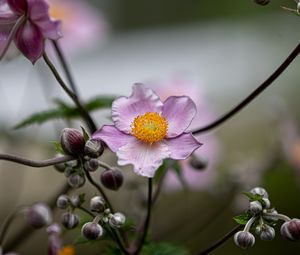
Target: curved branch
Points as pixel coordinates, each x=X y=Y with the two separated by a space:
x=253 y=95
x=35 y=163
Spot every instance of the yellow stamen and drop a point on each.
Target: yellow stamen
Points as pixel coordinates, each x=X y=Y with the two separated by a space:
x=150 y=127
x=58 y=11
x=67 y=250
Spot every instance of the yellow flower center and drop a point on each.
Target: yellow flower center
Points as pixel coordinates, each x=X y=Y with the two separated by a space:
x=58 y=11
x=150 y=127
x=67 y=250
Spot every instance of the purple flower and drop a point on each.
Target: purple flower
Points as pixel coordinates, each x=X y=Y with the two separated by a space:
x=30 y=25
x=146 y=131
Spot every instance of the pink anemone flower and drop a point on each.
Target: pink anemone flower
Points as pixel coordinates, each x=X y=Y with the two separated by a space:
x=28 y=24
x=146 y=130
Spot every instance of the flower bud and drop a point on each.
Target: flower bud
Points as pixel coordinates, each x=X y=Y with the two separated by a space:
x=259 y=191
x=198 y=163
x=267 y=233
x=272 y=215
x=298 y=7
x=97 y=204
x=54 y=229
x=75 y=201
x=262 y=2
x=244 y=239
x=112 y=179
x=76 y=181
x=69 y=220
x=93 y=148
x=91 y=231
x=91 y=165
x=117 y=220
x=255 y=207
x=72 y=141
x=62 y=202
x=38 y=215
x=68 y=171
x=291 y=230
x=267 y=203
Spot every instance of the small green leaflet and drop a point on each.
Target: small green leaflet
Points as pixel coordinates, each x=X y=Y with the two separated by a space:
x=242 y=219
x=65 y=111
x=85 y=134
x=255 y=197
x=58 y=147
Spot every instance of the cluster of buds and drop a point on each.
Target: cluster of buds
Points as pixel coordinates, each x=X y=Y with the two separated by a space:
x=69 y=219
x=86 y=153
x=94 y=230
x=261 y=219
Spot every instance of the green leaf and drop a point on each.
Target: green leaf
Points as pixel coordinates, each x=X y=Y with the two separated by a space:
x=254 y=197
x=65 y=111
x=85 y=134
x=58 y=147
x=242 y=219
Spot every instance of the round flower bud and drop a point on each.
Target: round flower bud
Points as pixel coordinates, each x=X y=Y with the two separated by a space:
x=117 y=220
x=291 y=230
x=262 y=2
x=38 y=215
x=91 y=165
x=53 y=229
x=272 y=215
x=267 y=233
x=255 y=207
x=244 y=239
x=112 y=179
x=68 y=171
x=76 y=181
x=298 y=7
x=258 y=229
x=93 y=148
x=69 y=220
x=62 y=202
x=260 y=191
x=72 y=141
x=91 y=231
x=75 y=201
x=97 y=204
x=267 y=203
x=198 y=163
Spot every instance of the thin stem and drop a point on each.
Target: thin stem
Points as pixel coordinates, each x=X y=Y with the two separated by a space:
x=278 y=216
x=86 y=211
x=104 y=165
x=7 y=222
x=253 y=95
x=221 y=241
x=35 y=163
x=12 y=35
x=147 y=219
x=85 y=115
x=97 y=186
x=65 y=66
x=249 y=224
x=118 y=241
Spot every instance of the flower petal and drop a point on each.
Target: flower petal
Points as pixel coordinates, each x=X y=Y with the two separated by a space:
x=39 y=14
x=182 y=146
x=179 y=112
x=125 y=109
x=7 y=16
x=29 y=41
x=145 y=158
x=113 y=138
x=18 y=6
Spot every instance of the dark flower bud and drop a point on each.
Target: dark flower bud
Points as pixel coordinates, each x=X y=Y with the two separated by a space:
x=262 y=2
x=38 y=215
x=62 y=202
x=255 y=207
x=267 y=233
x=198 y=163
x=72 y=141
x=76 y=181
x=75 y=201
x=69 y=220
x=117 y=220
x=291 y=230
x=91 y=165
x=112 y=179
x=244 y=239
x=93 y=148
x=68 y=171
x=259 y=191
x=97 y=204
x=91 y=231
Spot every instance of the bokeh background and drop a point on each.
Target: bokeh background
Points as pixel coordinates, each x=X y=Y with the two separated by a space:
x=221 y=50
